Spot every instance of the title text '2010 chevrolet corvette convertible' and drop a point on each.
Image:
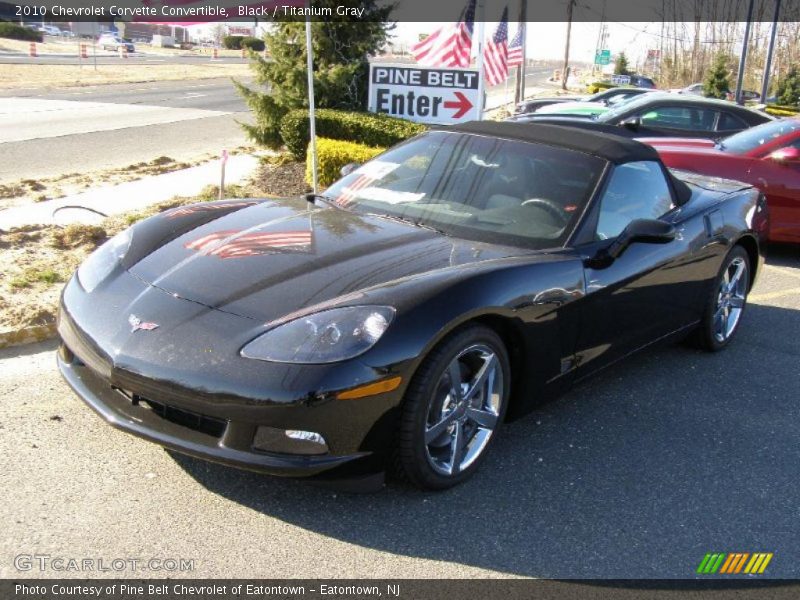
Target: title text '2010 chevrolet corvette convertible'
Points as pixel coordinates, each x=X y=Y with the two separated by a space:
x=400 y=317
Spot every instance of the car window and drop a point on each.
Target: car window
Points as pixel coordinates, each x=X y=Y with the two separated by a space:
x=752 y=138
x=679 y=117
x=476 y=187
x=730 y=122
x=636 y=190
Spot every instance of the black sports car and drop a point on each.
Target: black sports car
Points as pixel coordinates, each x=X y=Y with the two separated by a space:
x=447 y=285
x=658 y=114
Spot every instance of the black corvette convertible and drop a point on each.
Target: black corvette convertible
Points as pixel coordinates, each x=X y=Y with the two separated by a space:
x=397 y=319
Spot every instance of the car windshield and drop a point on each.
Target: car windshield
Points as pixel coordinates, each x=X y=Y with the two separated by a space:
x=752 y=138
x=619 y=108
x=475 y=187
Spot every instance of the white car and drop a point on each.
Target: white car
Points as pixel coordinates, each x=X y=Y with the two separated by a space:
x=50 y=30
x=111 y=41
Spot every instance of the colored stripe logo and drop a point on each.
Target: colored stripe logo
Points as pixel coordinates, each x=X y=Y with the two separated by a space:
x=732 y=563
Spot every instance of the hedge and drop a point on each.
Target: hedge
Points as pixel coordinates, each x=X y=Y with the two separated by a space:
x=253 y=43
x=368 y=128
x=13 y=31
x=332 y=155
x=232 y=42
x=595 y=87
x=777 y=110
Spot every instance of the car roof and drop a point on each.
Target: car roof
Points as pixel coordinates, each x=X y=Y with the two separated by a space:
x=613 y=148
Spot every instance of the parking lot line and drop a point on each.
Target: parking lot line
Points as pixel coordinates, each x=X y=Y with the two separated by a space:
x=758 y=298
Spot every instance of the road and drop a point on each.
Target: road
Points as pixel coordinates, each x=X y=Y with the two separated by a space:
x=106 y=58
x=90 y=128
x=635 y=474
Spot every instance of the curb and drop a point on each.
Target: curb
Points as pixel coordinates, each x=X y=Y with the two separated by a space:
x=27 y=335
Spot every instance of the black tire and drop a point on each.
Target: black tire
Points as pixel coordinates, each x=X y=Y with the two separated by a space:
x=413 y=460
x=707 y=335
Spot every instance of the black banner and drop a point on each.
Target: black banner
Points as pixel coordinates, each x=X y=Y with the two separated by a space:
x=417 y=589
x=192 y=11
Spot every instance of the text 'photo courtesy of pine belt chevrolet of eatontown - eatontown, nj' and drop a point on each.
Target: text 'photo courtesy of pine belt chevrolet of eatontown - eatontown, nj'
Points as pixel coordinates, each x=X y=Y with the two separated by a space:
x=372 y=298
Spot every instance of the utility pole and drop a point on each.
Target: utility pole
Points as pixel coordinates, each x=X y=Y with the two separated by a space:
x=479 y=27
x=519 y=95
x=565 y=70
x=770 y=50
x=743 y=59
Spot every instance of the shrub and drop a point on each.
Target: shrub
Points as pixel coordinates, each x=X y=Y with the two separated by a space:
x=253 y=43
x=368 y=128
x=232 y=42
x=13 y=31
x=597 y=86
x=332 y=155
x=788 y=88
x=778 y=110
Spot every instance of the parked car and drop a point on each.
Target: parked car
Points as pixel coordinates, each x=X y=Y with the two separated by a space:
x=697 y=89
x=589 y=109
x=50 y=30
x=452 y=282
x=605 y=97
x=766 y=156
x=663 y=114
x=111 y=41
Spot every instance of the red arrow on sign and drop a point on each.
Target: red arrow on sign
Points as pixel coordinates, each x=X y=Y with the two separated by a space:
x=463 y=105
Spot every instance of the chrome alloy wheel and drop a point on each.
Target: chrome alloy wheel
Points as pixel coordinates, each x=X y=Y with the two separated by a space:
x=730 y=299
x=464 y=410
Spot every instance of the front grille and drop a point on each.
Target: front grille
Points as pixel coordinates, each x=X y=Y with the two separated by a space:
x=185 y=418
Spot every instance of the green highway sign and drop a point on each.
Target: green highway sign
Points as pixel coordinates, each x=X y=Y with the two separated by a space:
x=602 y=57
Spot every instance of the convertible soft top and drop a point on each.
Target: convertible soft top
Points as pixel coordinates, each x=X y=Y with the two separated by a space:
x=616 y=149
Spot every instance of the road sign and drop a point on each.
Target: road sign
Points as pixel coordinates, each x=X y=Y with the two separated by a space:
x=424 y=95
x=602 y=57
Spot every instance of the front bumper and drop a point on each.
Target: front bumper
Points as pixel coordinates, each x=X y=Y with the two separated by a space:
x=232 y=448
x=168 y=388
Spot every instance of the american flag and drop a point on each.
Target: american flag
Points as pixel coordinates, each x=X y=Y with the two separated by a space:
x=495 y=57
x=185 y=211
x=350 y=192
x=450 y=45
x=235 y=244
x=515 y=56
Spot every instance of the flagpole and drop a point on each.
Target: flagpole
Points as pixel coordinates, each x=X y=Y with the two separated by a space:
x=479 y=63
x=312 y=120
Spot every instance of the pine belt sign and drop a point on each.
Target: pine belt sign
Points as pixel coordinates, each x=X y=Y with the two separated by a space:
x=424 y=95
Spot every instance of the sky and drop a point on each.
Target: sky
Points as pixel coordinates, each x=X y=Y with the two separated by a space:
x=546 y=40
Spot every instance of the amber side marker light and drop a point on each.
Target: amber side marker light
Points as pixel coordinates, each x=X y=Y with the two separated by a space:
x=379 y=387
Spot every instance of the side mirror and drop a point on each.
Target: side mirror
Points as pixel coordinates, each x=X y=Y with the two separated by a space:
x=349 y=168
x=785 y=155
x=632 y=123
x=648 y=231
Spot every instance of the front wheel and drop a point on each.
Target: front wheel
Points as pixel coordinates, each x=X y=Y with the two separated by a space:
x=727 y=301
x=453 y=408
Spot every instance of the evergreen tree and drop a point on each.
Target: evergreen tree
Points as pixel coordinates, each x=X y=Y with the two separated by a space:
x=341 y=49
x=717 y=84
x=788 y=89
x=621 y=65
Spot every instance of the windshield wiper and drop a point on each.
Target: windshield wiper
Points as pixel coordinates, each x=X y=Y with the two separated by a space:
x=409 y=221
x=311 y=198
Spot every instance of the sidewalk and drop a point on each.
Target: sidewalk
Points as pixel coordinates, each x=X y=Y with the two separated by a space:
x=129 y=196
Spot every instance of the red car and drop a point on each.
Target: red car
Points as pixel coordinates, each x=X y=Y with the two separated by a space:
x=766 y=156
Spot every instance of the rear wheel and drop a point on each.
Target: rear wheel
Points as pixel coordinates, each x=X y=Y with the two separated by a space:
x=453 y=408
x=727 y=301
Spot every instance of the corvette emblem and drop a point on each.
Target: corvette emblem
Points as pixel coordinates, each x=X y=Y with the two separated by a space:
x=137 y=324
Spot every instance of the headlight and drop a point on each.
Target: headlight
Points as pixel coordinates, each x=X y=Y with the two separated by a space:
x=324 y=337
x=104 y=260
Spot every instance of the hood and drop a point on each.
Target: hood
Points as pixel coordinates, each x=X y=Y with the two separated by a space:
x=581 y=108
x=277 y=257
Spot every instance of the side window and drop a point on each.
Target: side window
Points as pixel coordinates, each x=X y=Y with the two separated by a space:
x=636 y=190
x=730 y=122
x=680 y=117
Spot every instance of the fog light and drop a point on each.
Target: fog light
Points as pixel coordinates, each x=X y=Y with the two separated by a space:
x=289 y=441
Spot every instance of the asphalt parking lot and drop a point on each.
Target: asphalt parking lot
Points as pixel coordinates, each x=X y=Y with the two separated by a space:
x=636 y=473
